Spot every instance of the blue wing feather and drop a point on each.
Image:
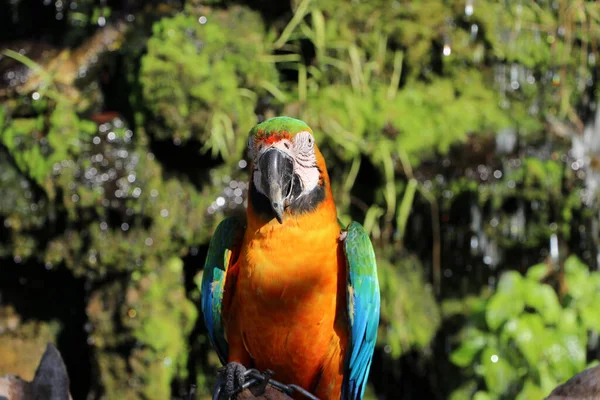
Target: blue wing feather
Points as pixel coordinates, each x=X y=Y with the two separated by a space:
x=363 y=310
x=226 y=238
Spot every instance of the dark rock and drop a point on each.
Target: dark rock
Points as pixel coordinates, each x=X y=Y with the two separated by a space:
x=51 y=381
x=583 y=386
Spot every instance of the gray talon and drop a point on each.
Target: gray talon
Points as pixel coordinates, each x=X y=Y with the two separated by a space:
x=231 y=380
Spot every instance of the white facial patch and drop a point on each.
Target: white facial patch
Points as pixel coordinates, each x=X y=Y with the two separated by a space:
x=305 y=161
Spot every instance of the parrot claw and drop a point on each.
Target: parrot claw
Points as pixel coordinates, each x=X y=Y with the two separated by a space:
x=343 y=235
x=230 y=380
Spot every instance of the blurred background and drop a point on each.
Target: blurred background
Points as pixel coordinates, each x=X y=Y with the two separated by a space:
x=464 y=135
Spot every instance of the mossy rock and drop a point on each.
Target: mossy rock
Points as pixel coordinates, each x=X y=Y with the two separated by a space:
x=38 y=143
x=32 y=74
x=149 y=316
x=22 y=344
x=99 y=176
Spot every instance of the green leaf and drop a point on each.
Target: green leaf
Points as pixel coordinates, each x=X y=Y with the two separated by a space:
x=578 y=285
x=464 y=355
x=574 y=266
x=577 y=278
x=544 y=299
x=452 y=307
x=537 y=272
x=510 y=283
x=547 y=381
x=569 y=323
x=484 y=396
x=497 y=372
x=476 y=305
x=464 y=392
x=531 y=391
x=557 y=356
x=530 y=336
x=592 y=364
x=590 y=314
x=508 y=301
x=575 y=345
x=501 y=307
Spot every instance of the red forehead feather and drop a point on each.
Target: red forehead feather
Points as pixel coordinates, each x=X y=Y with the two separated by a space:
x=273 y=136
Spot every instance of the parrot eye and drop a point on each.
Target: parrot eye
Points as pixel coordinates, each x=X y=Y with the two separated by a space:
x=303 y=142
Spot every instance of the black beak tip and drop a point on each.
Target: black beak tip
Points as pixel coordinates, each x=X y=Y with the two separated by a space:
x=278 y=210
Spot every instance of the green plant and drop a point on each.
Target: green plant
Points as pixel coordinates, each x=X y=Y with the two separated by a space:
x=523 y=340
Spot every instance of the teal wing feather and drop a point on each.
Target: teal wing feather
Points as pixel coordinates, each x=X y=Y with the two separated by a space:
x=227 y=237
x=363 y=310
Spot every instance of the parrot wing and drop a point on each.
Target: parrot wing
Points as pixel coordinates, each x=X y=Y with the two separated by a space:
x=363 y=310
x=224 y=243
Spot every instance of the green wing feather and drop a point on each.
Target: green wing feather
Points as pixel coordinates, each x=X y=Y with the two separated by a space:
x=227 y=237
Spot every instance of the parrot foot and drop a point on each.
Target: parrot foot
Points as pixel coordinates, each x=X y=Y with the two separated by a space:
x=230 y=380
x=343 y=235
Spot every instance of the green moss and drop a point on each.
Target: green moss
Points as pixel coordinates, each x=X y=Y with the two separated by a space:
x=202 y=80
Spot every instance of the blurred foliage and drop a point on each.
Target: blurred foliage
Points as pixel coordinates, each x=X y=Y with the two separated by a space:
x=522 y=340
x=529 y=200
x=410 y=316
x=446 y=126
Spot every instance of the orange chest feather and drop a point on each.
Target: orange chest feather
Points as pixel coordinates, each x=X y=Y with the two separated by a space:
x=291 y=264
x=288 y=300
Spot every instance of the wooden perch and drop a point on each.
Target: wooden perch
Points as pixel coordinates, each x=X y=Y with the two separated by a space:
x=269 y=393
x=583 y=386
x=261 y=386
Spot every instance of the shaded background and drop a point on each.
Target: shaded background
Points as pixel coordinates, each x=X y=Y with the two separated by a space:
x=464 y=135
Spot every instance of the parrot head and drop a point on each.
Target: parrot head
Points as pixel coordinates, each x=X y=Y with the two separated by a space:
x=288 y=173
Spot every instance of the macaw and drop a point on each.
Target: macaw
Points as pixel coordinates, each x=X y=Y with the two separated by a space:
x=287 y=289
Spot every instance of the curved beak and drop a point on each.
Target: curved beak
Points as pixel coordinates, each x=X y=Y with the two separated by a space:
x=277 y=173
